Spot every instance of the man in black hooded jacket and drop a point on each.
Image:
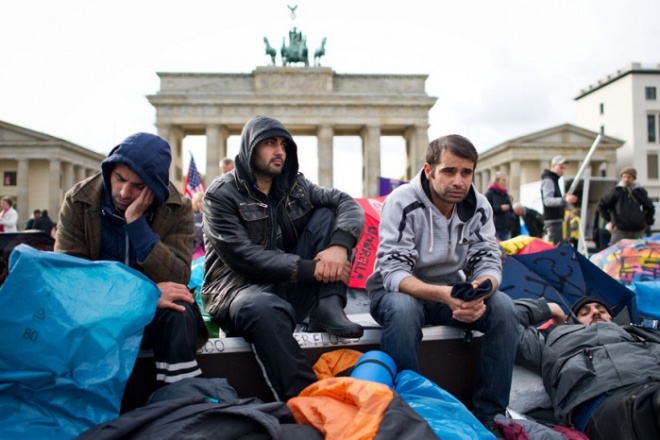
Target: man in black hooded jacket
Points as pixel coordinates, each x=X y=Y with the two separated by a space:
x=277 y=250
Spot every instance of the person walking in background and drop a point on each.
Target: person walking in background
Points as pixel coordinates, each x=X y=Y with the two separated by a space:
x=130 y=212
x=226 y=165
x=498 y=197
x=44 y=223
x=438 y=263
x=554 y=203
x=627 y=208
x=278 y=250
x=198 y=217
x=8 y=216
x=29 y=224
x=533 y=219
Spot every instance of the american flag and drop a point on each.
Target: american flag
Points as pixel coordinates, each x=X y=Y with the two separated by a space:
x=193 y=183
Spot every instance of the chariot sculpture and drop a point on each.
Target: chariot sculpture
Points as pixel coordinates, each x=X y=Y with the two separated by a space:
x=296 y=51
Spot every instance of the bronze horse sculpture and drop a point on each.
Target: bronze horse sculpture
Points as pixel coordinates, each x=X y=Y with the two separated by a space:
x=318 y=53
x=270 y=50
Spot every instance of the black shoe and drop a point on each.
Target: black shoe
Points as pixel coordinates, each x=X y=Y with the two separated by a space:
x=492 y=427
x=329 y=316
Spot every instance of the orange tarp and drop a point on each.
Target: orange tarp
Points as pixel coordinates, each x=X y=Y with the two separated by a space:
x=332 y=363
x=342 y=408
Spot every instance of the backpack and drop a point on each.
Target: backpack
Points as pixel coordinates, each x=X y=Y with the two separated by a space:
x=629 y=213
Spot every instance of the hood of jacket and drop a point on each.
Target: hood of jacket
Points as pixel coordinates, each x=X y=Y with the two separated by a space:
x=624 y=186
x=256 y=130
x=149 y=156
x=549 y=174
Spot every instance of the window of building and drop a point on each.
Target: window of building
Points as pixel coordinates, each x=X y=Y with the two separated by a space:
x=9 y=178
x=652 y=170
x=602 y=108
x=650 y=128
x=602 y=129
x=650 y=93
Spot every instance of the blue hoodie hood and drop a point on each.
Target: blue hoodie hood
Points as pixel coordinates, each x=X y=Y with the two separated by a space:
x=149 y=156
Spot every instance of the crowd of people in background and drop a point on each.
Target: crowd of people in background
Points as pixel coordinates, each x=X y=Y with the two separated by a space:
x=626 y=209
x=38 y=221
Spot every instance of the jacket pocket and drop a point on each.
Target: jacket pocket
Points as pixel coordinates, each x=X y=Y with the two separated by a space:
x=572 y=373
x=255 y=217
x=298 y=204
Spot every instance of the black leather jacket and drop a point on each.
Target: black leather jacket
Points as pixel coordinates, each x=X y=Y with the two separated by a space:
x=250 y=236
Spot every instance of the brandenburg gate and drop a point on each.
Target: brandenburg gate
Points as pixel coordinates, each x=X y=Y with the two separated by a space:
x=310 y=101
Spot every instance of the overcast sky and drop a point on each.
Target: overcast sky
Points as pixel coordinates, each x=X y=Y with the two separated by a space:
x=80 y=69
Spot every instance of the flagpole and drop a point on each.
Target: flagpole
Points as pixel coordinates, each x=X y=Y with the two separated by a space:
x=584 y=165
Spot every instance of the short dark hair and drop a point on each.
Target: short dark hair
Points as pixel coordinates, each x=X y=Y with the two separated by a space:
x=37 y=211
x=455 y=144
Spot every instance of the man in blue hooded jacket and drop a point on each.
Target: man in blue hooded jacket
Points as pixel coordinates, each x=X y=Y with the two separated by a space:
x=130 y=212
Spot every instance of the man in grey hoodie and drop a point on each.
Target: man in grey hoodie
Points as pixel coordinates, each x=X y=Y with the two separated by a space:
x=438 y=263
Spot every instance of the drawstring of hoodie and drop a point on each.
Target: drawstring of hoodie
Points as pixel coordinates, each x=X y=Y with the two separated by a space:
x=431 y=222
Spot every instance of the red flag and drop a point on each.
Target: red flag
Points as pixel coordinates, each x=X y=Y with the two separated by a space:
x=365 y=250
x=193 y=182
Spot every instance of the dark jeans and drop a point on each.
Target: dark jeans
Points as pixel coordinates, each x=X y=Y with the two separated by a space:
x=403 y=316
x=554 y=229
x=265 y=315
x=618 y=234
x=503 y=235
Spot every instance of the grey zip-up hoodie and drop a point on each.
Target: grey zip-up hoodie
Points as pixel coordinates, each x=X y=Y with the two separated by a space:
x=417 y=239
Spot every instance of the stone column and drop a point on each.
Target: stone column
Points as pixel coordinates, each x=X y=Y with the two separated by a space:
x=215 y=150
x=371 y=154
x=164 y=132
x=514 y=180
x=478 y=181
x=485 y=180
x=325 y=138
x=611 y=170
x=54 y=188
x=22 y=191
x=68 y=177
x=80 y=173
x=175 y=139
x=417 y=141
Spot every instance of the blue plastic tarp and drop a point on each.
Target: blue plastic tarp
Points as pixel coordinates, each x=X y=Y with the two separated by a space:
x=71 y=331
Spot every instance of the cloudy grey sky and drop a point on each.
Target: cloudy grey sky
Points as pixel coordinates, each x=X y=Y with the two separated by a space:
x=80 y=69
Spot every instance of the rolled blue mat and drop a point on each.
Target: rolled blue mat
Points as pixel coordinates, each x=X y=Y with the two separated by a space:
x=375 y=366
